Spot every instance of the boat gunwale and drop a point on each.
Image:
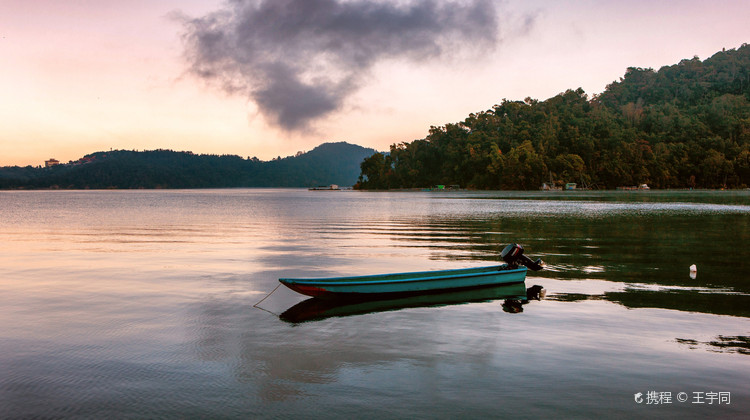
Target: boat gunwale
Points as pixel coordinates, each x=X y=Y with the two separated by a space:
x=362 y=280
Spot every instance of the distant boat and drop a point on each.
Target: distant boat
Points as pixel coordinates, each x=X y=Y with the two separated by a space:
x=332 y=187
x=376 y=286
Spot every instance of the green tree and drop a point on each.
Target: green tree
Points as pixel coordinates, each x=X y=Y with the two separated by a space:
x=569 y=168
x=376 y=172
x=523 y=168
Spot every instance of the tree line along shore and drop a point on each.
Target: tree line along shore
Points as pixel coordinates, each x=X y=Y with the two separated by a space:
x=684 y=126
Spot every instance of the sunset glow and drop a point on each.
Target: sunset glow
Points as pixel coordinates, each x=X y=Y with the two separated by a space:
x=86 y=76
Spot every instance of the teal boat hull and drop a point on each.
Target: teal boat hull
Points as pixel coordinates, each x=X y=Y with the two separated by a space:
x=407 y=283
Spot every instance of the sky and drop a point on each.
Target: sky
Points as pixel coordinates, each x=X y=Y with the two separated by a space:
x=269 y=78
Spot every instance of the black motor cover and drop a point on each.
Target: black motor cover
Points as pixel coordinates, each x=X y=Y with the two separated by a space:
x=513 y=255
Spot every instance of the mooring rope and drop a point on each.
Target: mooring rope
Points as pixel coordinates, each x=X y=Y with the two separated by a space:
x=261 y=301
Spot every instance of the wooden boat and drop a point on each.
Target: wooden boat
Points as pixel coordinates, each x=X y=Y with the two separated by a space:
x=419 y=282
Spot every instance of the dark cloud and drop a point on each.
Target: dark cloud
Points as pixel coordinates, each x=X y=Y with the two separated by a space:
x=298 y=60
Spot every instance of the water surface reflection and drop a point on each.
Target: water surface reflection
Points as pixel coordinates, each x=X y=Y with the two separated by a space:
x=649 y=255
x=138 y=304
x=317 y=309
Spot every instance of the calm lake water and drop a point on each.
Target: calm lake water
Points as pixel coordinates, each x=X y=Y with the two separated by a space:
x=139 y=304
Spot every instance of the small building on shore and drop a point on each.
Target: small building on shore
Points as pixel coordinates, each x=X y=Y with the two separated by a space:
x=51 y=162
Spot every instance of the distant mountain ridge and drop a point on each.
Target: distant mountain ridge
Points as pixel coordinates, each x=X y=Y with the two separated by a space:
x=329 y=163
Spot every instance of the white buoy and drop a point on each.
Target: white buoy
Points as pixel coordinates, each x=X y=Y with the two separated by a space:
x=693 y=269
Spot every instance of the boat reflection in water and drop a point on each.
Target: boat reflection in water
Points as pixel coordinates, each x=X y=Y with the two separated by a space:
x=315 y=309
x=515 y=305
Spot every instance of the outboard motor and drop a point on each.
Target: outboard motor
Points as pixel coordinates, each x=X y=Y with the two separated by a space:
x=513 y=255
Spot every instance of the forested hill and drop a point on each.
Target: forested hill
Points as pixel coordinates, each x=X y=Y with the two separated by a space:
x=686 y=125
x=329 y=163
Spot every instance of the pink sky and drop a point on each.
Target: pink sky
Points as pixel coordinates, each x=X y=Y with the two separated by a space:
x=82 y=76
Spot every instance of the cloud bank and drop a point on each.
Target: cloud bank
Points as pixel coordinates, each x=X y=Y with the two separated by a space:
x=299 y=60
